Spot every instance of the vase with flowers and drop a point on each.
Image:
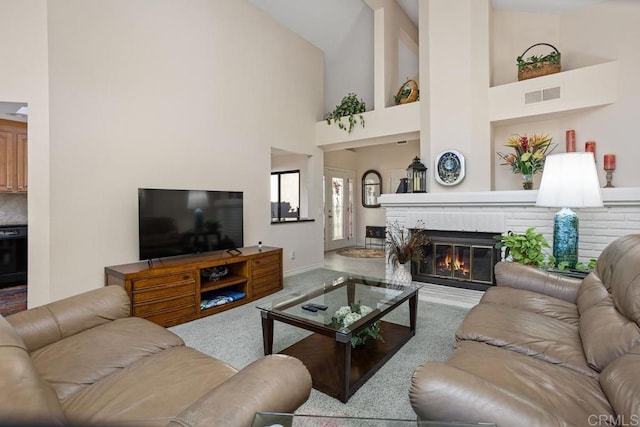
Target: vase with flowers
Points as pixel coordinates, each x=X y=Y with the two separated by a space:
x=403 y=246
x=529 y=154
x=348 y=314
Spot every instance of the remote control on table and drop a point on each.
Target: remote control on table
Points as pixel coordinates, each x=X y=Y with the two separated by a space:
x=318 y=306
x=309 y=308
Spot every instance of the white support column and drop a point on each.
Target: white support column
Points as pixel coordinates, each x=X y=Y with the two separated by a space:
x=459 y=72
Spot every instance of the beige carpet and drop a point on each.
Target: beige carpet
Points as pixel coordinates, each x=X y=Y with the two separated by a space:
x=361 y=252
x=235 y=336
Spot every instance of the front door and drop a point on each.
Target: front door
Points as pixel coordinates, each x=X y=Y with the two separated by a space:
x=338 y=208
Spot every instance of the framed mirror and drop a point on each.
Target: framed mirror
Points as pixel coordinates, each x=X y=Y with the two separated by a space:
x=371 y=188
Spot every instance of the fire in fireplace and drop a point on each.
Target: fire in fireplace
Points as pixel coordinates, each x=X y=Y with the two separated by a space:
x=461 y=259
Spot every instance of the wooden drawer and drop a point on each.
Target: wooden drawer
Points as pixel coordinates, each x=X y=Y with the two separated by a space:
x=265 y=260
x=162 y=281
x=168 y=291
x=174 y=304
x=263 y=292
x=265 y=265
x=265 y=270
x=269 y=282
x=174 y=317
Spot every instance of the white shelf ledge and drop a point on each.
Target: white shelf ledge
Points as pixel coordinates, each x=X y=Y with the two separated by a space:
x=619 y=196
x=579 y=89
x=392 y=124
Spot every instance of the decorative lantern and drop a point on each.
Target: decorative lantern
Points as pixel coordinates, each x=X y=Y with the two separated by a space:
x=417 y=177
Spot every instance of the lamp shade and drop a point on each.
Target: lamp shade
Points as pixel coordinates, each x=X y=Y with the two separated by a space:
x=570 y=180
x=197 y=200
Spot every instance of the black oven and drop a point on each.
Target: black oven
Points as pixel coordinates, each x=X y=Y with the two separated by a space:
x=13 y=255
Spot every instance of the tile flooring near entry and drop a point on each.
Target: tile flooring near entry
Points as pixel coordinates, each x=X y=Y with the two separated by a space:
x=375 y=267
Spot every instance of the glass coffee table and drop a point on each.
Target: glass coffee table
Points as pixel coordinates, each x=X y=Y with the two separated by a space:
x=267 y=419
x=336 y=368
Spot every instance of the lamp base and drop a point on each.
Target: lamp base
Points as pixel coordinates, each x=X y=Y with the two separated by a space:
x=565 y=237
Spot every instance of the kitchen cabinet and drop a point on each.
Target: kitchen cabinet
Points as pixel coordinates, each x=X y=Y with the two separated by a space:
x=13 y=157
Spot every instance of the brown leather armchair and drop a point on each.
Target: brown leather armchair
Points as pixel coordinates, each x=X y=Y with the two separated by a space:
x=83 y=361
x=545 y=350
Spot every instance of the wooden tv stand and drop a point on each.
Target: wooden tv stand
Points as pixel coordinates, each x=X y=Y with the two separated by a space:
x=169 y=291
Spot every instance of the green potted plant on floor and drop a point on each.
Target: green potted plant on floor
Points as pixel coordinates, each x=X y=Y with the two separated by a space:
x=351 y=107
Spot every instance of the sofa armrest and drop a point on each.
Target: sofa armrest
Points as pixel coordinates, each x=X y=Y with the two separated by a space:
x=41 y=326
x=275 y=383
x=533 y=279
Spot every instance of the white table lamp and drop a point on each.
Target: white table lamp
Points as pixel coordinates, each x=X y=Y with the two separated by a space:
x=569 y=180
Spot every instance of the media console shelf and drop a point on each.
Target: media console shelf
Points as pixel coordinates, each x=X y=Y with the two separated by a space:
x=169 y=291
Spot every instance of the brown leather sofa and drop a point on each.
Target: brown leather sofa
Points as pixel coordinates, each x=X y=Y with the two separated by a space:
x=545 y=350
x=83 y=361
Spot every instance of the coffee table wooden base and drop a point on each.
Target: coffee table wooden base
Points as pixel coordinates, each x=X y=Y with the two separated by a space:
x=339 y=370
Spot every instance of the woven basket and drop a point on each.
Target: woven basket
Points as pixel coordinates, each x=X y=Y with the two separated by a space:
x=538 y=69
x=409 y=86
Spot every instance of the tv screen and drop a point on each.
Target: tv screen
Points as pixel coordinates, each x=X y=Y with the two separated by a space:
x=179 y=222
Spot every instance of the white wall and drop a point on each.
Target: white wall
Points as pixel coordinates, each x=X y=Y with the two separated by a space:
x=381 y=158
x=600 y=33
x=513 y=33
x=588 y=36
x=24 y=78
x=156 y=93
x=349 y=68
x=458 y=78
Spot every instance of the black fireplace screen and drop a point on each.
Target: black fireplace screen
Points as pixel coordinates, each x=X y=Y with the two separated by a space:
x=459 y=259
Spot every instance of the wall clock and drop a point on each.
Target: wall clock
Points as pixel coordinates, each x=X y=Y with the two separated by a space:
x=449 y=168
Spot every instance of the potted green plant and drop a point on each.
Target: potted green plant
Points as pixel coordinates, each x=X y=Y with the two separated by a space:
x=351 y=107
x=525 y=248
x=538 y=65
x=348 y=314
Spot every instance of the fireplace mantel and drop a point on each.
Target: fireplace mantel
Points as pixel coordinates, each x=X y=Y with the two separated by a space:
x=622 y=196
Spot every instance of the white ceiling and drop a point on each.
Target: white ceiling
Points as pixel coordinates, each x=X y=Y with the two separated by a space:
x=8 y=110
x=325 y=23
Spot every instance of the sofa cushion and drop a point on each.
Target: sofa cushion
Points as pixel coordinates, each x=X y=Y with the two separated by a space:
x=536 y=335
x=621 y=383
x=533 y=302
x=149 y=392
x=484 y=383
x=26 y=398
x=87 y=357
x=606 y=334
x=44 y=325
x=609 y=304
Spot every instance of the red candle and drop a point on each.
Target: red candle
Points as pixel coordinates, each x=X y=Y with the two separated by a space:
x=609 y=161
x=571 y=141
x=590 y=146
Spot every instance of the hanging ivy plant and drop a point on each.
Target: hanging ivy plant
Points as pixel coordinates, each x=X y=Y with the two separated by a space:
x=351 y=107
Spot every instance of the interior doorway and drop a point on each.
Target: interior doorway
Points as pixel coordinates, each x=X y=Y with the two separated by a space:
x=339 y=221
x=13 y=205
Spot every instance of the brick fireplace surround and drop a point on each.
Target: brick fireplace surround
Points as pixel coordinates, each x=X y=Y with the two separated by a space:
x=502 y=211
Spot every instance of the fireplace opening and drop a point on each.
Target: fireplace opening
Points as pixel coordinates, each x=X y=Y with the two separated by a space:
x=457 y=258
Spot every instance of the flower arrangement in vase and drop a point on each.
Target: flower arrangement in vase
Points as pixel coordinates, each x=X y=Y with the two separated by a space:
x=528 y=156
x=403 y=244
x=348 y=314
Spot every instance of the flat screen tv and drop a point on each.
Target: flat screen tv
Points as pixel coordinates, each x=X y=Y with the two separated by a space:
x=179 y=222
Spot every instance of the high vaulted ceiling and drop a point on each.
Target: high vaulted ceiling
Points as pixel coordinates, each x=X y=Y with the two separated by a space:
x=325 y=23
